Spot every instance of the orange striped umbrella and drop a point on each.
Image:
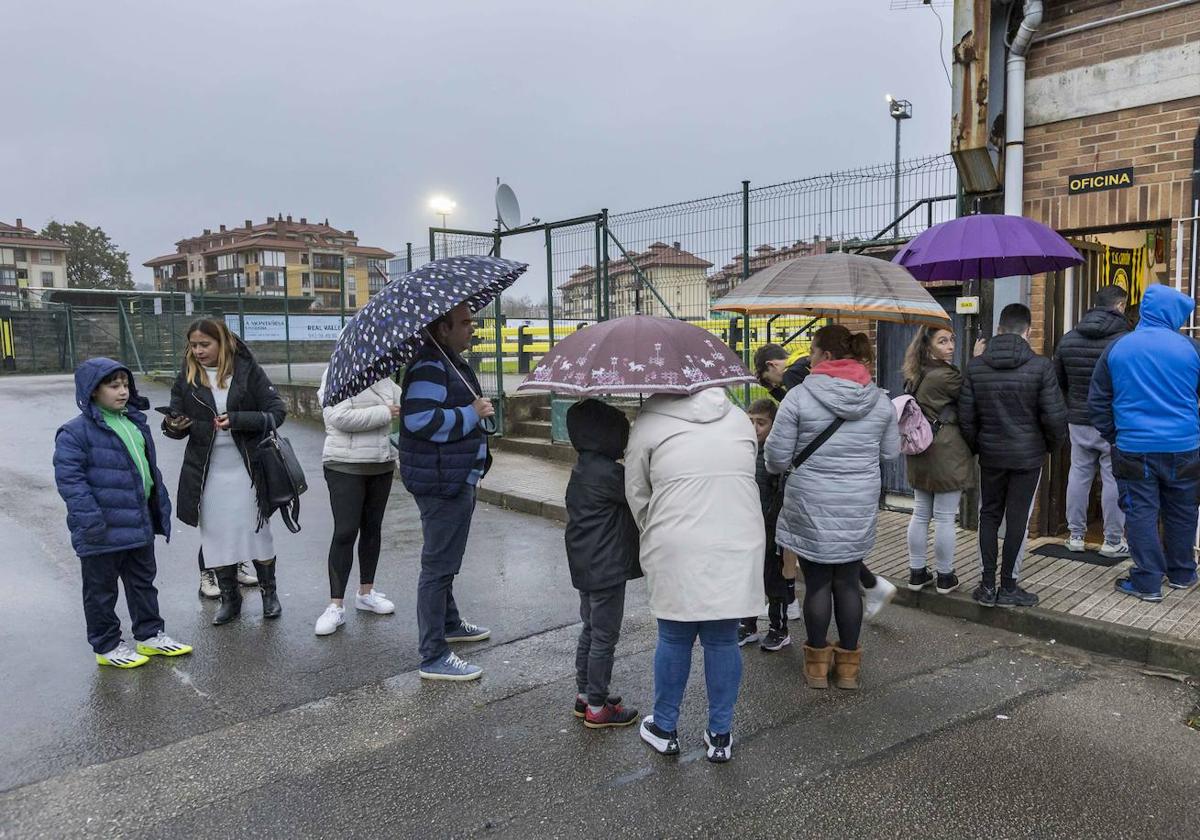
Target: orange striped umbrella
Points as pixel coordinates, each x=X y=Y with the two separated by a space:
x=827 y=285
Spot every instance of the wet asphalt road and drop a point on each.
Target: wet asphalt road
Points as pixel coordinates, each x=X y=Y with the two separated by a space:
x=268 y=731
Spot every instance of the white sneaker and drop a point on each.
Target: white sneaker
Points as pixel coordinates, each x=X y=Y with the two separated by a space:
x=162 y=645
x=878 y=596
x=794 y=610
x=208 y=584
x=375 y=602
x=1075 y=544
x=246 y=575
x=1121 y=549
x=330 y=620
x=121 y=657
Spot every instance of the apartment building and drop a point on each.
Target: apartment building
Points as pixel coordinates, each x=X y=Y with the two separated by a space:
x=678 y=276
x=28 y=259
x=305 y=258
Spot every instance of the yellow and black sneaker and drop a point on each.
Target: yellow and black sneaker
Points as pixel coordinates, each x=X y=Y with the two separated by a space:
x=162 y=645
x=121 y=657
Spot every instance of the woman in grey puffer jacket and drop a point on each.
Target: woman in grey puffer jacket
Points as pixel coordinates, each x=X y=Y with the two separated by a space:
x=831 y=502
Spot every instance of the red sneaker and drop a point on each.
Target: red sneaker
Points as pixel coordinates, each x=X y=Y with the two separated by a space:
x=610 y=715
x=581 y=706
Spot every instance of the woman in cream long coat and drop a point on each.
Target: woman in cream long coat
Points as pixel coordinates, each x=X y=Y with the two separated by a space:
x=689 y=480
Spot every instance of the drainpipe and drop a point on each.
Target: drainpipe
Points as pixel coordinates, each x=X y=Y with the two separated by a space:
x=1014 y=109
x=1015 y=289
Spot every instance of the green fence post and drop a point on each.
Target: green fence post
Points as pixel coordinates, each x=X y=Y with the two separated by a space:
x=550 y=283
x=408 y=257
x=745 y=276
x=499 y=333
x=287 y=332
x=342 y=291
x=241 y=313
x=596 y=290
x=604 y=290
x=432 y=243
x=174 y=352
x=70 y=340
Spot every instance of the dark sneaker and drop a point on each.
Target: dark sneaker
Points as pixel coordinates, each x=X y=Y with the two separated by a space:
x=663 y=743
x=610 y=715
x=918 y=579
x=1187 y=585
x=718 y=748
x=747 y=635
x=946 y=583
x=1126 y=587
x=985 y=595
x=1016 y=597
x=581 y=705
x=775 y=640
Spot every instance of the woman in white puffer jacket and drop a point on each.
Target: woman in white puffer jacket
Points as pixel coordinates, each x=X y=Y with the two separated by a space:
x=359 y=462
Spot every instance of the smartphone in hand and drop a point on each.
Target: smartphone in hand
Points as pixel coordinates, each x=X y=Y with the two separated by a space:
x=167 y=410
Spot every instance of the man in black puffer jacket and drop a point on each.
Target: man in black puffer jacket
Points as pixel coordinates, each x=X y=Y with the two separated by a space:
x=1011 y=413
x=1074 y=362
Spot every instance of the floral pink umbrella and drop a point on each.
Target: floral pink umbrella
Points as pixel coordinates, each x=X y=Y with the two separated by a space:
x=638 y=354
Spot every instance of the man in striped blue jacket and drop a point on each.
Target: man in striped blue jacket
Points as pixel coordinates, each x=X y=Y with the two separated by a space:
x=443 y=454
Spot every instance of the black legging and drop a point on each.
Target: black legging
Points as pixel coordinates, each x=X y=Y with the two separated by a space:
x=358 y=503
x=832 y=587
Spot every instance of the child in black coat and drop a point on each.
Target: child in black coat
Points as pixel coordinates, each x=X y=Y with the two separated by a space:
x=602 y=552
x=780 y=590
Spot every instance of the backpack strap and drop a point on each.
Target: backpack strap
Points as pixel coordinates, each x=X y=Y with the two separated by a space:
x=817 y=442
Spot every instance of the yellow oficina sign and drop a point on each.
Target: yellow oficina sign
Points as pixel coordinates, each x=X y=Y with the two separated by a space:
x=1111 y=179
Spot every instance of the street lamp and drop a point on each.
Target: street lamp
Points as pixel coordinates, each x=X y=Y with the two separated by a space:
x=900 y=109
x=442 y=206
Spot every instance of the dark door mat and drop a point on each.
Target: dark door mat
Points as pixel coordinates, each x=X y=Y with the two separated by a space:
x=1059 y=552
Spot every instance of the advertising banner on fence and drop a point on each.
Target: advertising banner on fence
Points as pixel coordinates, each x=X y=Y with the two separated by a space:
x=271 y=327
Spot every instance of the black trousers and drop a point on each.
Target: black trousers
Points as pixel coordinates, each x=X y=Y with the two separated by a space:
x=1004 y=496
x=831 y=593
x=602 y=611
x=358 y=503
x=135 y=569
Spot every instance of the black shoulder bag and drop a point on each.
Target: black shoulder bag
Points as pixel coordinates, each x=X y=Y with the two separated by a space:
x=282 y=476
x=817 y=442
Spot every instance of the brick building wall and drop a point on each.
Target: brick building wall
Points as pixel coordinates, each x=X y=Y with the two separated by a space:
x=1155 y=139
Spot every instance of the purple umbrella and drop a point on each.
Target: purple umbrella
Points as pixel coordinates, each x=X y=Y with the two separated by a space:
x=637 y=354
x=984 y=247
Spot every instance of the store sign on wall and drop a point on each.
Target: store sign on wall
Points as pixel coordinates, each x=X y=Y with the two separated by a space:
x=300 y=328
x=1110 y=179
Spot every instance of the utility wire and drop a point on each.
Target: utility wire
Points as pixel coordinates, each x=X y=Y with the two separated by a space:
x=941 y=38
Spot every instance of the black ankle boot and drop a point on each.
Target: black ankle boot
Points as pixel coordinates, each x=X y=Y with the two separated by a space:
x=231 y=598
x=266 y=583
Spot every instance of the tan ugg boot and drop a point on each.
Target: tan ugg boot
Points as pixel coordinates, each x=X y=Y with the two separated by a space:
x=817 y=664
x=845 y=667
x=789 y=565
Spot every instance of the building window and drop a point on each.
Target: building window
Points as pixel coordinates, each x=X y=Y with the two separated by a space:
x=349 y=262
x=46 y=257
x=353 y=304
x=272 y=258
x=304 y=259
x=305 y=280
x=19 y=254
x=47 y=278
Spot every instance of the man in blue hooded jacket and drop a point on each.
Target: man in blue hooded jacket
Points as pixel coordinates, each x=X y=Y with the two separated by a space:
x=1143 y=401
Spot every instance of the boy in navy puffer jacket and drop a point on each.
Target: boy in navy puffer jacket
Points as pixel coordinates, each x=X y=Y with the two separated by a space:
x=104 y=466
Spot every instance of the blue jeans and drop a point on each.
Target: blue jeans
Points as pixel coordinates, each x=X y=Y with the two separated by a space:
x=722 y=670
x=1154 y=486
x=445 y=525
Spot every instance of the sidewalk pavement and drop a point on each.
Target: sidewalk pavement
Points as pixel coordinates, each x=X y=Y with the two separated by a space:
x=1078 y=604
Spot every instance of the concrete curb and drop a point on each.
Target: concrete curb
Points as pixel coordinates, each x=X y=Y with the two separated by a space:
x=1157 y=650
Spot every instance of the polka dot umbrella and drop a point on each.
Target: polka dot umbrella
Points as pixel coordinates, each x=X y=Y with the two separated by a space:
x=386 y=333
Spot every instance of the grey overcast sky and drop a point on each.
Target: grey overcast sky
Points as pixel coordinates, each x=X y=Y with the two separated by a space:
x=157 y=119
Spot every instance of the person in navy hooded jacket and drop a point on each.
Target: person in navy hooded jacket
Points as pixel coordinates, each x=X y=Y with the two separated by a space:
x=105 y=469
x=1143 y=401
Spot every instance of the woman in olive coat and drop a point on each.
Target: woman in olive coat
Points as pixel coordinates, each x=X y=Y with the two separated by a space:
x=941 y=473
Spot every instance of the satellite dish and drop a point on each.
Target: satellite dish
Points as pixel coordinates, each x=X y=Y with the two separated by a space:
x=508 y=211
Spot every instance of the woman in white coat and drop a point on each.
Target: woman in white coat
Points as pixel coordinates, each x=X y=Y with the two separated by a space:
x=359 y=462
x=689 y=480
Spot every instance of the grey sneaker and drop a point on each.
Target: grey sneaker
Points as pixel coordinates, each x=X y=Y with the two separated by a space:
x=246 y=575
x=468 y=632
x=450 y=667
x=985 y=595
x=208 y=584
x=1075 y=544
x=1118 y=551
